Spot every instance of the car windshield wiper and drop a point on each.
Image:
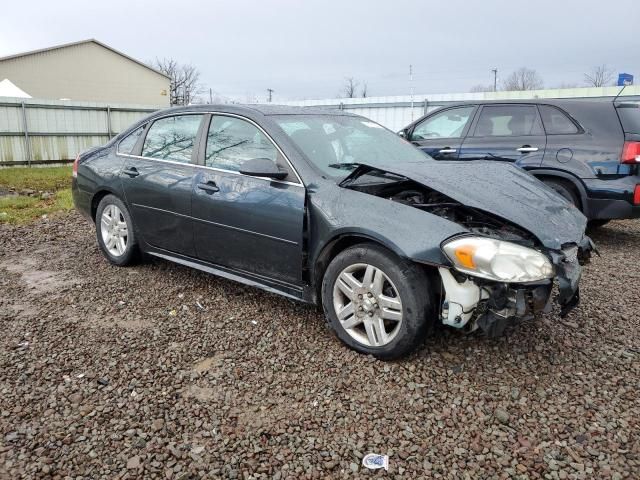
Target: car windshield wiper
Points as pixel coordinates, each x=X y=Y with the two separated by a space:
x=344 y=166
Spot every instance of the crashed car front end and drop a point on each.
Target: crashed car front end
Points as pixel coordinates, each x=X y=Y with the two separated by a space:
x=519 y=239
x=488 y=288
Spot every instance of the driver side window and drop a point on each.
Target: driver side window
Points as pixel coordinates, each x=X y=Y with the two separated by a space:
x=447 y=124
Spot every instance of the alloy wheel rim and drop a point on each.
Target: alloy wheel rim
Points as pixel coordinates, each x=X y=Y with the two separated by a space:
x=367 y=304
x=114 y=230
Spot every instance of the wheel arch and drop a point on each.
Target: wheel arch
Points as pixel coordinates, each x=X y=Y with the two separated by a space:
x=567 y=178
x=339 y=243
x=97 y=197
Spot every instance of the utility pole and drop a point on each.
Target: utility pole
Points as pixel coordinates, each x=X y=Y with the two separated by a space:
x=495 y=79
x=270 y=92
x=411 y=88
x=210 y=95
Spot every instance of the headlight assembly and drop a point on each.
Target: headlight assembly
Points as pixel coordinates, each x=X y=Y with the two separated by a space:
x=497 y=260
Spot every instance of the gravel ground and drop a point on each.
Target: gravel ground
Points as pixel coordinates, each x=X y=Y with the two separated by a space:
x=159 y=371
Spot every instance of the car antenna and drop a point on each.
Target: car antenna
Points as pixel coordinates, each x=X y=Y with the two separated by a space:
x=616 y=97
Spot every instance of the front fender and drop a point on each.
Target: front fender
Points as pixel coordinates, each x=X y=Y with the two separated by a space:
x=407 y=231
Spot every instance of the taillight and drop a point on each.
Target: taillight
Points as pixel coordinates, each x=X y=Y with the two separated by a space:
x=636 y=195
x=75 y=166
x=630 y=152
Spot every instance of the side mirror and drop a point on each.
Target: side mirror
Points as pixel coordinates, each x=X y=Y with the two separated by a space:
x=402 y=133
x=262 y=167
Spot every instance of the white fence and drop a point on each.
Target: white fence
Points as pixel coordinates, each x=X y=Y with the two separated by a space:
x=397 y=112
x=40 y=131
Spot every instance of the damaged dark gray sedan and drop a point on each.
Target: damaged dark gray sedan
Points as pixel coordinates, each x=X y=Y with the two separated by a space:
x=333 y=209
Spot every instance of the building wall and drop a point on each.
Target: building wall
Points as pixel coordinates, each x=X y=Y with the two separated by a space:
x=86 y=72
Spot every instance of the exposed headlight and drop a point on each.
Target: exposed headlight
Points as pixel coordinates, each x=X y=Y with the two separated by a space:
x=497 y=260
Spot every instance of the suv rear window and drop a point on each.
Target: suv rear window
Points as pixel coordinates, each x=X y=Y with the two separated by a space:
x=629 y=117
x=556 y=122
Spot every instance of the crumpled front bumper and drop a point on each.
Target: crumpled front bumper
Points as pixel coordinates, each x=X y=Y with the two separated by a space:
x=473 y=303
x=568 y=265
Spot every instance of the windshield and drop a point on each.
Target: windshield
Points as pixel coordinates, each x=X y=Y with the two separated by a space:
x=338 y=144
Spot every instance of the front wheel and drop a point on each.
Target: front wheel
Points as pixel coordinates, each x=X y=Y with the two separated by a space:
x=114 y=230
x=376 y=302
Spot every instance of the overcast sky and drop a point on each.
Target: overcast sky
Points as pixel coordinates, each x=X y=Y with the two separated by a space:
x=305 y=49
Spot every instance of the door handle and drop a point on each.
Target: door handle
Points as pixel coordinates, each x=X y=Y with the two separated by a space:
x=448 y=150
x=209 y=187
x=131 y=171
x=527 y=149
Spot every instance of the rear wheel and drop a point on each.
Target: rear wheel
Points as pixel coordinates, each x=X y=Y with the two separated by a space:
x=565 y=190
x=114 y=230
x=594 y=224
x=376 y=302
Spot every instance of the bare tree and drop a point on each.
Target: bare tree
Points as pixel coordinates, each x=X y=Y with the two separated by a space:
x=364 y=90
x=350 y=87
x=523 y=79
x=481 y=88
x=600 y=76
x=184 y=85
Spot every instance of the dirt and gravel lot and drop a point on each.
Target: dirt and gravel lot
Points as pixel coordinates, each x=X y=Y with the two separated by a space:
x=159 y=371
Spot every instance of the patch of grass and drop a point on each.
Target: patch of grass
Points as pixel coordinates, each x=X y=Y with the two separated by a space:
x=46 y=179
x=21 y=209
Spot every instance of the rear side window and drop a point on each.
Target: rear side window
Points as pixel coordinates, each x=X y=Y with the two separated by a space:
x=172 y=138
x=231 y=141
x=447 y=124
x=508 y=121
x=556 y=122
x=127 y=143
x=629 y=117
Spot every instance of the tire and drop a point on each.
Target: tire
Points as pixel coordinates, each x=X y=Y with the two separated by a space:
x=564 y=190
x=595 y=224
x=113 y=223
x=398 y=289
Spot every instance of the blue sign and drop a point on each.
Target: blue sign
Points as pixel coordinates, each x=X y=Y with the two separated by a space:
x=625 y=79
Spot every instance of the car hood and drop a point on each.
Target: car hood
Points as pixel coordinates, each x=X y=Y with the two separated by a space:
x=499 y=189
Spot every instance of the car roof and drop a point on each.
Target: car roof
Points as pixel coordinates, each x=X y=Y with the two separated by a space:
x=252 y=109
x=543 y=101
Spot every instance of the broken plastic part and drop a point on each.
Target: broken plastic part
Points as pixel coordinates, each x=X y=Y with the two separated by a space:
x=460 y=299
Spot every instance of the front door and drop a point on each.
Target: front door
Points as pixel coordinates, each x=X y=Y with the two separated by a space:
x=158 y=183
x=249 y=224
x=440 y=135
x=507 y=133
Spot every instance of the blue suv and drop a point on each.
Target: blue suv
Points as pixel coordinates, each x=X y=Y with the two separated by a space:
x=586 y=150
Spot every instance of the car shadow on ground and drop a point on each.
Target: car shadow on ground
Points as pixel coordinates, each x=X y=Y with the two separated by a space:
x=615 y=232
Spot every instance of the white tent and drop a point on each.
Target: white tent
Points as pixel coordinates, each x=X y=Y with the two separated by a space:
x=8 y=89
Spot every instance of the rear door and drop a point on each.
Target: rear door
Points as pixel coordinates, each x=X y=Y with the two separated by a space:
x=564 y=139
x=249 y=224
x=158 y=182
x=440 y=134
x=509 y=133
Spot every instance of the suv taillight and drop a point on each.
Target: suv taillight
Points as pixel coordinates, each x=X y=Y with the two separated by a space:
x=636 y=195
x=75 y=166
x=630 y=152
